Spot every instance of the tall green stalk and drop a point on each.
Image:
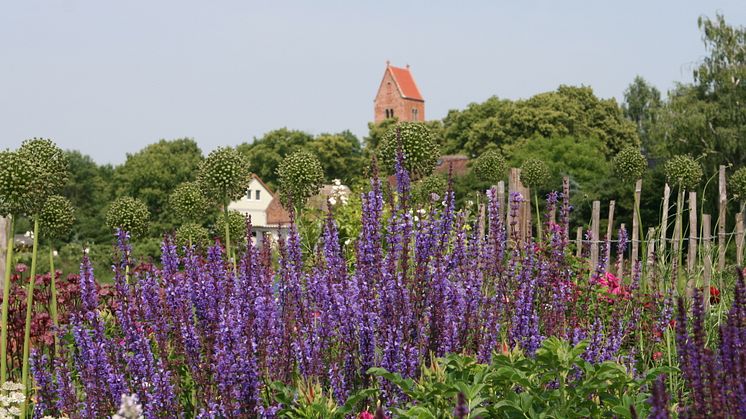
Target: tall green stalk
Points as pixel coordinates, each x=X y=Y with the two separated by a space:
x=29 y=310
x=53 y=302
x=6 y=302
x=538 y=216
x=227 y=230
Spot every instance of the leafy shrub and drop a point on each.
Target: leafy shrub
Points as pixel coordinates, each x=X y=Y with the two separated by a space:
x=557 y=382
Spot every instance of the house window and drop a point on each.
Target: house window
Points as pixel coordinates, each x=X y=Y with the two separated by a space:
x=389 y=113
x=415 y=111
x=248 y=193
x=256 y=196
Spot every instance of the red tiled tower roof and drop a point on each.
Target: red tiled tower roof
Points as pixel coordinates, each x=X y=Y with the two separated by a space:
x=405 y=83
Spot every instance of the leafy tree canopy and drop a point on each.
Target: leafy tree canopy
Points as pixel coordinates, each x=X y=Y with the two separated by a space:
x=568 y=111
x=153 y=173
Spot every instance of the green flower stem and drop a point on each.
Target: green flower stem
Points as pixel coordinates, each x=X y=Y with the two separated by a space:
x=53 y=302
x=29 y=310
x=228 y=233
x=538 y=216
x=6 y=301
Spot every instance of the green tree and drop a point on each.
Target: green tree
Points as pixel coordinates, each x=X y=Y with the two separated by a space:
x=265 y=154
x=89 y=189
x=154 y=172
x=339 y=154
x=642 y=102
x=568 y=111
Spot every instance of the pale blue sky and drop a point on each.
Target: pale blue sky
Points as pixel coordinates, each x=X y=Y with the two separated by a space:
x=110 y=77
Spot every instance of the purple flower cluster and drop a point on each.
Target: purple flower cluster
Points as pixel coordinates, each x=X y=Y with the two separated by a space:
x=204 y=336
x=716 y=378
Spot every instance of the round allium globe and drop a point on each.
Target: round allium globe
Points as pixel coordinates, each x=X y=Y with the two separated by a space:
x=737 y=183
x=236 y=224
x=188 y=202
x=490 y=167
x=433 y=184
x=56 y=217
x=630 y=164
x=684 y=171
x=21 y=184
x=192 y=233
x=129 y=214
x=534 y=173
x=51 y=159
x=418 y=145
x=301 y=176
x=225 y=174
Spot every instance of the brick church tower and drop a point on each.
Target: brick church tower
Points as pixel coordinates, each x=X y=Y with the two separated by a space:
x=398 y=96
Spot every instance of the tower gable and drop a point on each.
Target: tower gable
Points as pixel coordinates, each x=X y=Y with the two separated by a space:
x=398 y=96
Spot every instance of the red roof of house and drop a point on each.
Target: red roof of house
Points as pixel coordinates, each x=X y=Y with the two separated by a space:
x=405 y=82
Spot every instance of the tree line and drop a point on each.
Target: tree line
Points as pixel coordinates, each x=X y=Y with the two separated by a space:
x=572 y=130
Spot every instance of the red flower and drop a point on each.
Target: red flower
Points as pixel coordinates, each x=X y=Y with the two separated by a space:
x=657 y=355
x=714 y=295
x=365 y=415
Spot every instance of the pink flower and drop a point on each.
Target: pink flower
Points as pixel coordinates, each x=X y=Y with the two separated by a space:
x=613 y=284
x=365 y=415
x=21 y=268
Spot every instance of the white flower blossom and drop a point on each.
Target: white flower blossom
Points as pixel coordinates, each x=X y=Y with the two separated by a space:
x=130 y=408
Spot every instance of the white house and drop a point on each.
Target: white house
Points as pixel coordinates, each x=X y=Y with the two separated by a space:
x=263 y=205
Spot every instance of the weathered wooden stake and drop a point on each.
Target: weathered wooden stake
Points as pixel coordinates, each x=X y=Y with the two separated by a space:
x=723 y=203
x=579 y=242
x=566 y=195
x=707 y=248
x=609 y=233
x=676 y=246
x=664 y=220
x=514 y=224
x=636 y=224
x=501 y=199
x=691 y=259
x=596 y=215
x=650 y=265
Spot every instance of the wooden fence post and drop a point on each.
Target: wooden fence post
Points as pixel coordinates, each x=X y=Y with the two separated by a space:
x=723 y=203
x=566 y=196
x=664 y=220
x=676 y=245
x=739 y=239
x=501 y=200
x=596 y=215
x=650 y=266
x=579 y=242
x=636 y=224
x=513 y=186
x=609 y=233
x=691 y=258
x=707 y=248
